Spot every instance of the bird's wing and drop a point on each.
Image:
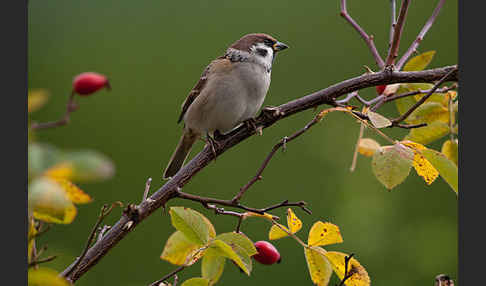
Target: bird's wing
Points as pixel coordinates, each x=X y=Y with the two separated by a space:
x=221 y=64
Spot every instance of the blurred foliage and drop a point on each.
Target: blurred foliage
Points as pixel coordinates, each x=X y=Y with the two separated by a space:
x=154 y=51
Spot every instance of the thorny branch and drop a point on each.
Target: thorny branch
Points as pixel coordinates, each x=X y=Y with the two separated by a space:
x=169 y=190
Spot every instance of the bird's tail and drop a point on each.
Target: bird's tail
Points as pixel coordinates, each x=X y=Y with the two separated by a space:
x=180 y=154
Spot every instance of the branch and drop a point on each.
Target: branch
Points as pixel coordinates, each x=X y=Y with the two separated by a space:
x=70 y=107
x=397 y=33
x=173 y=273
x=43 y=260
x=368 y=39
x=393 y=22
x=422 y=100
x=421 y=35
x=203 y=158
x=415 y=92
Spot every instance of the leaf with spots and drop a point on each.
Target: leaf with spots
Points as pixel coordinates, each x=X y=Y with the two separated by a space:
x=421 y=165
x=358 y=275
x=319 y=267
x=294 y=225
x=73 y=192
x=324 y=233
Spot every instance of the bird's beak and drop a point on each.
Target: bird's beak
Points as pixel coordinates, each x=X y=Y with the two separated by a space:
x=278 y=46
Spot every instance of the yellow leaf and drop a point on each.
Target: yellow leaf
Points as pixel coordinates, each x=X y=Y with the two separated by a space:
x=429 y=133
x=359 y=276
x=276 y=232
x=368 y=146
x=421 y=165
x=419 y=62
x=36 y=98
x=320 y=269
x=324 y=233
x=45 y=277
x=451 y=150
x=73 y=192
x=264 y=215
x=49 y=202
x=179 y=250
x=63 y=170
x=294 y=223
x=428 y=113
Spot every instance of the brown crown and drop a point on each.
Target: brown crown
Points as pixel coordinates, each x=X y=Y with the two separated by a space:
x=249 y=40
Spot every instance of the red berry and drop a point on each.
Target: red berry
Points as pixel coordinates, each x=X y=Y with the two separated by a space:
x=380 y=88
x=88 y=82
x=267 y=253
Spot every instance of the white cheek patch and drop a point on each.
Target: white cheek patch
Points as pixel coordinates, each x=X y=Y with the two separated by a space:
x=267 y=59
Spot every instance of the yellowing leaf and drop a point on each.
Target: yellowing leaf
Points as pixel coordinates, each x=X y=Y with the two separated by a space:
x=241 y=258
x=30 y=239
x=212 y=265
x=73 y=192
x=62 y=170
x=240 y=240
x=359 y=276
x=421 y=165
x=428 y=113
x=195 y=226
x=447 y=169
x=49 y=202
x=378 y=120
x=319 y=267
x=276 y=232
x=45 y=277
x=36 y=98
x=419 y=62
x=179 y=250
x=324 y=233
x=294 y=223
x=428 y=134
x=198 y=281
x=267 y=216
x=89 y=166
x=451 y=150
x=391 y=165
x=368 y=146
x=41 y=157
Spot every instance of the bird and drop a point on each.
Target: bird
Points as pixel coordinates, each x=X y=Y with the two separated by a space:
x=229 y=92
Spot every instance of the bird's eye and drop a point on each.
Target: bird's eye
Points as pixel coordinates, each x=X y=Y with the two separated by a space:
x=268 y=42
x=262 y=52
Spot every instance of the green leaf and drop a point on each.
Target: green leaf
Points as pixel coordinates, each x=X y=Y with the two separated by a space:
x=198 y=281
x=419 y=62
x=405 y=103
x=391 y=164
x=429 y=133
x=194 y=225
x=89 y=166
x=179 y=250
x=319 y=267
x=378 y=120
x=45 y=277
x=428 y=113
x=212 y=265
x=49 y=202
x=235 y=253
x=240 y=240
x=447 y=169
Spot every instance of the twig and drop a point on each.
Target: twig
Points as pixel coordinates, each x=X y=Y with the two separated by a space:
x=420 y=37
x=360 y=99
x=415 y=92
x=173 y=273
x=422 y=100
x=105 y=210
x=368 y=39
x=70 y=107
x=44 y=260
x=393 y=22
x=147 y=188
x=206 y=202
x=347 y=274
x=397 y=33
x=176 y=279
x=277 y=146
x=204 y=157
x=355 y=154
x=102 y=231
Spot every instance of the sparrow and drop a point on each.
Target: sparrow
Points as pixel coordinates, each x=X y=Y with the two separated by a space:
x=230 y=92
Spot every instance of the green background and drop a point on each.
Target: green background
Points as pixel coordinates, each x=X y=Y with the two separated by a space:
x=154 y=52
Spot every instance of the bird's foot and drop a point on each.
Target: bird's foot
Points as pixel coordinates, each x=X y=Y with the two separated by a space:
x=212 y=143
